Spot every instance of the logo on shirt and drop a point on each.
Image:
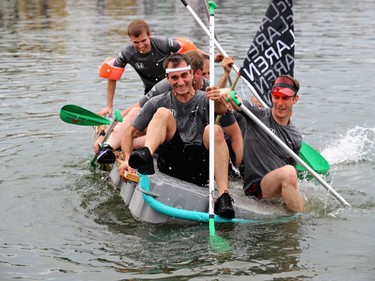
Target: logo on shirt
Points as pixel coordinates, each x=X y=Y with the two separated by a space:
x=287 y=141
x=173 y=112
x=139 y=65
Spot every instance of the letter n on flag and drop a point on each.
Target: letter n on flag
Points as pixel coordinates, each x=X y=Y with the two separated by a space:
x=272 y=51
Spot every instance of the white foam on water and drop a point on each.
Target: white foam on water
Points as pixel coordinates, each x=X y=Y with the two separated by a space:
x=355 y=146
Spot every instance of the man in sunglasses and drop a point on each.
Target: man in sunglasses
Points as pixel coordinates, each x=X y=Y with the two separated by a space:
x=269 y=171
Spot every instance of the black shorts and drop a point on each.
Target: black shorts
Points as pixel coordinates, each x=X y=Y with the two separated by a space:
x=255 y=190
x=186 y=162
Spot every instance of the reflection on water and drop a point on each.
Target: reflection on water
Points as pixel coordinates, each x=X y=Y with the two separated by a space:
x=60 y=221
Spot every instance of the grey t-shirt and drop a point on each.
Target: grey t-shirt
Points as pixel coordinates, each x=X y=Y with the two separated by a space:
x=261 y=153
x=148 y=66
x=191 y=117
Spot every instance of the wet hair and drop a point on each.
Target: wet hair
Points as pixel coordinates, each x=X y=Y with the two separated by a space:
x=137 y=27
x=176 y=59
x=196 y=60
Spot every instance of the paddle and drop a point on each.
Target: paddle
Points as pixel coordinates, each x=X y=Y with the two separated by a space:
x=215 y=35
x=74 y=114
x=314 y=159
x=77 y=115
x=218 y=244
x=320 y=165
x=212 y=6
x=221 y=50
x=284 y=146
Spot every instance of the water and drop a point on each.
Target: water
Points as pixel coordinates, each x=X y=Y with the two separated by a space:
x=59 y=221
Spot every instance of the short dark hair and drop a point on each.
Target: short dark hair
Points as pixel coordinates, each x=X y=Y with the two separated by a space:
x=176 y=59
x=137 y=27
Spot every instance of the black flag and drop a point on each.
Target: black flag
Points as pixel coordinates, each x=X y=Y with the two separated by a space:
x=272 y=51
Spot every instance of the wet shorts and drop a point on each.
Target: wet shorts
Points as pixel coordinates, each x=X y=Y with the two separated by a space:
x=254 y=190
x=186 y=162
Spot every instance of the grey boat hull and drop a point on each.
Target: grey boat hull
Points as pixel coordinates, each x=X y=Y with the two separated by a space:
x=178 y=194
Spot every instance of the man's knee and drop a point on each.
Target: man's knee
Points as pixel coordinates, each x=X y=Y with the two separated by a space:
x=290 y=175
x=163 y=112
x=219 y=134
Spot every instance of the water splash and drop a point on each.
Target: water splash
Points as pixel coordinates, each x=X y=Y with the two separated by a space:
x=357 y=145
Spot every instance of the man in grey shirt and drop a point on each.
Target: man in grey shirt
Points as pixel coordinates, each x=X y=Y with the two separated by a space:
x=269 y=170
x=177 y=125
x=146 y=54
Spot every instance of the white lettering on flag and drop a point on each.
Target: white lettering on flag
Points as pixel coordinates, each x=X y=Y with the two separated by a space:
x=272 y=51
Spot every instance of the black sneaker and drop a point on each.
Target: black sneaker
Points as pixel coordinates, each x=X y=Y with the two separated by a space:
x=106 y=155
x=142 y=160
x=223 y=206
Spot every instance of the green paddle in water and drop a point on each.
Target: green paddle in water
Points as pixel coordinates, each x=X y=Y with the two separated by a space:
x=312 y=158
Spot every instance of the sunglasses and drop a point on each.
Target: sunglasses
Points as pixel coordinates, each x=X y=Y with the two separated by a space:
x=284 y=86
x=279 y=91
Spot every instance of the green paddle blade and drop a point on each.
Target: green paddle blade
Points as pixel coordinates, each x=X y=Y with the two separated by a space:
x=219 y=245
x=312 y=158
x=77 y=115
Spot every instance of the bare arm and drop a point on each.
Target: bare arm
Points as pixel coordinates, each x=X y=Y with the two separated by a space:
x=111 y=87
x=227 y=63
